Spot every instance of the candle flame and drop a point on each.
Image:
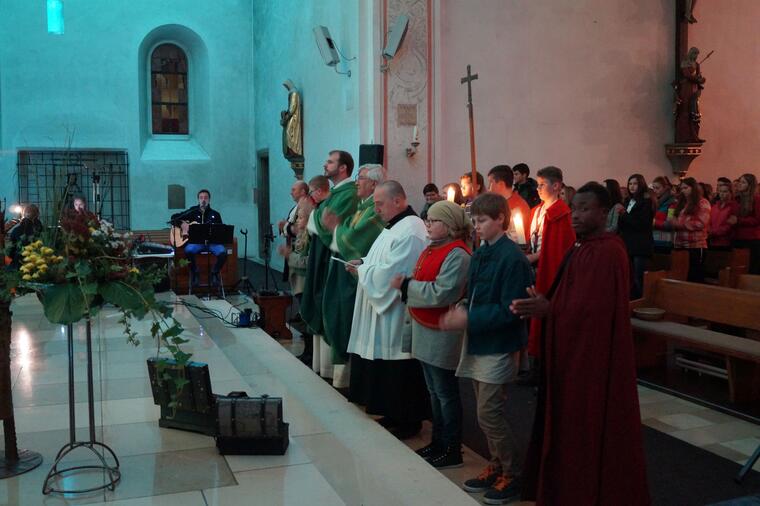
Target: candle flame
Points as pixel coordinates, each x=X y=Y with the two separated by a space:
x=451 y=194
x=517 y=220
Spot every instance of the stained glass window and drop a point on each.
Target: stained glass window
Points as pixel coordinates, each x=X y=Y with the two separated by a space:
x=168 y=77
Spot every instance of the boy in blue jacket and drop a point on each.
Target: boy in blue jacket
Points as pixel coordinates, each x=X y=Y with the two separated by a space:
x=499 y=273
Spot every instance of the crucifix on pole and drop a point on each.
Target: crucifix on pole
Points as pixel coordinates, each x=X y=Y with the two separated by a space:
x=469 y=78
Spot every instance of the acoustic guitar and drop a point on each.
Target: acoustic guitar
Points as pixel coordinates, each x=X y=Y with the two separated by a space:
x=178 y=236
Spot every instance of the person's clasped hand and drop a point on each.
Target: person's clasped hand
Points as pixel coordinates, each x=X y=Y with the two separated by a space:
x=536 y=305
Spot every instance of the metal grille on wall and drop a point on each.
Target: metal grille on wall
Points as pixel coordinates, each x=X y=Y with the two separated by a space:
x=102 y=177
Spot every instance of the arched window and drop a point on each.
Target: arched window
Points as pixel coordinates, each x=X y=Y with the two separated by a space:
x=168 y=77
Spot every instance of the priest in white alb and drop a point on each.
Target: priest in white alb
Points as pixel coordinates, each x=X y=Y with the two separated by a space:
x=384 y=377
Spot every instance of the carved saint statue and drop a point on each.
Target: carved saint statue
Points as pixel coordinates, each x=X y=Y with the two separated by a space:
x=292 y=126
x=688 y=88
x=688 y=11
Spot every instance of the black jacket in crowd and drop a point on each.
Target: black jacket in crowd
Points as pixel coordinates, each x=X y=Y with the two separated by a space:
x=529 y=191
x=635 y=227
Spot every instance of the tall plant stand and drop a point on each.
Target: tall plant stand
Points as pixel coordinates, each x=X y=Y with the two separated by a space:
x=111 y=474
x=14 y=461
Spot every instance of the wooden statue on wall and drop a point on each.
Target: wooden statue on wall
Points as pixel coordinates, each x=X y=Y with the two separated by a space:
x=292 y=130
x=687 y=85
x=688 y=88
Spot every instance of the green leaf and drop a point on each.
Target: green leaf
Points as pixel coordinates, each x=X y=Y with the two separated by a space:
x=83 y=268
x=64 y=303
x=120 y=295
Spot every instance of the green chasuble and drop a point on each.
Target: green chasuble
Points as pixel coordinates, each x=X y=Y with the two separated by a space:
x=316 y=273
x=342 y=201
x=353 y=237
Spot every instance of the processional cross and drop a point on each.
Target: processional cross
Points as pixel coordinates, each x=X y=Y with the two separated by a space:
x=469 y=78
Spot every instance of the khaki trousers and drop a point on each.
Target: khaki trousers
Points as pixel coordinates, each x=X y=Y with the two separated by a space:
x=492 y=417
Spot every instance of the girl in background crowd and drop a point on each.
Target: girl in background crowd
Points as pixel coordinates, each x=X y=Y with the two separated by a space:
x=616 y=201
x=458 y=197
x=723 y=218
x=635 y=228
x=663 y=237
x=747 y=232
x=691 y=223
x=567 y=193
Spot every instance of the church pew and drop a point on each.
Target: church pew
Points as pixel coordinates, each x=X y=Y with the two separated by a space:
x=181 y=279
x=682 y=300
x=675 y=263
x=724 y=267
x=749 y=282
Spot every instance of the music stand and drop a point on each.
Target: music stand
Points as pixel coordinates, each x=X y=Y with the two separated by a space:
x=207 y=234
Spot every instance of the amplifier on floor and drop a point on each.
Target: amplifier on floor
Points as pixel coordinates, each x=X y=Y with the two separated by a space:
x=196 y=406
x=250 y=425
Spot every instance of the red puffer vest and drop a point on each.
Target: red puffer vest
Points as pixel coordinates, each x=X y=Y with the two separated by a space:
x=427 y=269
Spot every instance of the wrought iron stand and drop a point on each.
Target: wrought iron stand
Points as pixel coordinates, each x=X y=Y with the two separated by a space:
x=111 y=474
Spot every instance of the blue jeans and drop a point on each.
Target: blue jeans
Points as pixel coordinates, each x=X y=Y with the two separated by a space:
x=218 y=250
x=443 y=387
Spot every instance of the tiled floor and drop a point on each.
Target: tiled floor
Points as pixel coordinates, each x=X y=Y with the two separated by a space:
x=336 y=454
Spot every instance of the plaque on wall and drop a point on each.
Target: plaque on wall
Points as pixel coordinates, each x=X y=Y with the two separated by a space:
x=407 y=114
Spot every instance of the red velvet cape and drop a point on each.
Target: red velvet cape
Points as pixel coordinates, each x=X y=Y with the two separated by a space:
x=586 y=446
x=558 y=237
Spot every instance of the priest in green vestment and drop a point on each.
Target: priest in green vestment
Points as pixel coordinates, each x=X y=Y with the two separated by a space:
x=352 y=240
x=341 y=202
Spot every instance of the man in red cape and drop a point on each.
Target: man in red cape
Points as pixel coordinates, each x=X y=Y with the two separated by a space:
x=586 y=446
x=551 y=236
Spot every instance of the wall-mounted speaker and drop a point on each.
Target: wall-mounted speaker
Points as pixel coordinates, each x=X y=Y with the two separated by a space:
x=370 y=153
x=396 y=36
x=326 y=46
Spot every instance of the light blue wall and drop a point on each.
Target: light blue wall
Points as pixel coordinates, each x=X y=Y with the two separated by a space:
x=284 y=48
x=89 y=80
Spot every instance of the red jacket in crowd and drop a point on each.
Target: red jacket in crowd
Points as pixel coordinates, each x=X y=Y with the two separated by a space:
x=721 y=231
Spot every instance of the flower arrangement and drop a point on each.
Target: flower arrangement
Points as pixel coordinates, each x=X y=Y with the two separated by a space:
x=84 y=264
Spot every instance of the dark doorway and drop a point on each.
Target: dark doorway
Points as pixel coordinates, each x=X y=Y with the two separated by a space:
x=262 y=203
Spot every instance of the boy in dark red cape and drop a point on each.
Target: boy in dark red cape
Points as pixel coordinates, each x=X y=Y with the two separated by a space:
x=586 y=446
x=551 y=236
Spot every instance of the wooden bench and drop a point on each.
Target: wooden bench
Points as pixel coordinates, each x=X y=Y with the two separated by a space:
x=675 y=264
x=180 y=280
x=724 y=267
x=748 y=282
x=682 y=300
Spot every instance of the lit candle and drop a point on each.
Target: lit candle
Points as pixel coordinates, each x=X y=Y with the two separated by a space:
x=17 y=209
x=451 y=194
x=415 y=135
x=519 y=228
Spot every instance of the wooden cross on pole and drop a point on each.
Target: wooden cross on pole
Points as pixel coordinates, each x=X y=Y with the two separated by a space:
x=469 y=78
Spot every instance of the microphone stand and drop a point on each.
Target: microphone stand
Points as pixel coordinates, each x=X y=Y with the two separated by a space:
x=244 y=283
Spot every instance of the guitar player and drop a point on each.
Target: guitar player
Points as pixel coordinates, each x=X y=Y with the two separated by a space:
x=202 y=213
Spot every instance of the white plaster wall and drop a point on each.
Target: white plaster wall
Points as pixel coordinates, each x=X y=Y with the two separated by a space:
x=284 y=48
x=730 y=102
x=581 y=84
x=87 y=80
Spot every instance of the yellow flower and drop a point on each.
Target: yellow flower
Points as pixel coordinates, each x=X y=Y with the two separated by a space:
x=36 y=275
x=26 y=277
x=46 y=251
x=37 y=243
x=40 y=262
x=43 y=268
x=134 y=270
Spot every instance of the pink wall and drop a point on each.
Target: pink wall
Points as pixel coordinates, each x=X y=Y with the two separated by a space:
x=730 y=103
x=581 y=84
